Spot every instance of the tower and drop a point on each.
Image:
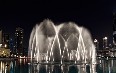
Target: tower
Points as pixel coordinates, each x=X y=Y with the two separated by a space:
x=105 y=42
x=96 y=44
x=114 y=29
x=11 y=45
x=19 y=41
x=6 y=40
x=0 y=36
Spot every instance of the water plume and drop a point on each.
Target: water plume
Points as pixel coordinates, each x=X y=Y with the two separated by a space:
x=61 y=44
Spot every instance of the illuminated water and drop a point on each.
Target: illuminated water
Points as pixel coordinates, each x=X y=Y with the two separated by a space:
x=21 y=66
x=64 y=44
x=18 y=66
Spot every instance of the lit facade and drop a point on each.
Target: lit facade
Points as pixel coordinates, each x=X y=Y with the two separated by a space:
x=114 y=28
x=11 y=46
x=19 y=41
x=105 y=42
x=0 y=36
x=6 y=40
x=96 y=44
x=4 y=52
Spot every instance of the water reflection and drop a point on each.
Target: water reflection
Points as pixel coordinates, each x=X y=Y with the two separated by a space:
x=15 y=66
x=103 y=66
x=106 y=66
x=22 y=66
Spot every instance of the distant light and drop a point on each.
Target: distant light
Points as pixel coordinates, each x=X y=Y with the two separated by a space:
x=107 y=58
x=105 y=38
x=102 y=56
x=0 y=45
x=11 y=55
x=5 y=45
x=15 y=55
x=95 y=40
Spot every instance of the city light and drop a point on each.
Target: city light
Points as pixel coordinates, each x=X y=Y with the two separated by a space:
x=14 y=55
x=105 y=38
x=77 y=41
x=5 y=45
x=0 y=45
x=95 y=40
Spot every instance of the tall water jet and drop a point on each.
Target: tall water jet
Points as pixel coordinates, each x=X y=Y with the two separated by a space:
x=62 y=44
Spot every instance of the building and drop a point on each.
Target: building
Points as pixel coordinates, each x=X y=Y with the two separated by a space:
x=105 y=42
x=96 y=43
x=0 y=36
x=114 y=28
x=6 y=40
x=4 y=52
x=4 y=45
x=11 y=46
x=19 y=41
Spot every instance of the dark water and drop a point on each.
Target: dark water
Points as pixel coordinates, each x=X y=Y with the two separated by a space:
x=22 y=66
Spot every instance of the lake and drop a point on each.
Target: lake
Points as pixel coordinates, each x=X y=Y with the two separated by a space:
x=22 y=66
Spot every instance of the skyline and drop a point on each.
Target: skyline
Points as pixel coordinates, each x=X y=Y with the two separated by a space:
x=97 y=16
x=14 y=34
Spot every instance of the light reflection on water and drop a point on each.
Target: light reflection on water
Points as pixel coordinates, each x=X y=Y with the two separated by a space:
x=17 y=66
x=22 y=66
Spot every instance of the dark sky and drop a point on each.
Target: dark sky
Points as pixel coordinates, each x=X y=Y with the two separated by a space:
x=96 y=15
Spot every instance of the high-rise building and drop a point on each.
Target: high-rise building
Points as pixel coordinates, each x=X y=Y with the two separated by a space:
x=6 y=40
x=11 y=46
x=19 y=41
x=96 y=44
x=0 y=36
x=114 y=28
x=105 y=42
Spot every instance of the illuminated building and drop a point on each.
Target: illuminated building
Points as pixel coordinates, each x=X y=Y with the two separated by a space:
x=114 y=28
x=4 y=48
x=4 y=52
x=105 y=42
x=6 y=40
x=0 y=36
x=96 y=44
x=11 y=46
x=19 y=41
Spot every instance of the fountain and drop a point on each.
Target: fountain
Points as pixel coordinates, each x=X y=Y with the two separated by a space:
x=62 y=45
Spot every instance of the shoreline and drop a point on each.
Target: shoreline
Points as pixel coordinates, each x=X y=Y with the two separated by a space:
x=11 y=58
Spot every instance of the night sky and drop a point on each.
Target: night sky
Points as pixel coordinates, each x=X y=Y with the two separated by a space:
x=96 y=15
